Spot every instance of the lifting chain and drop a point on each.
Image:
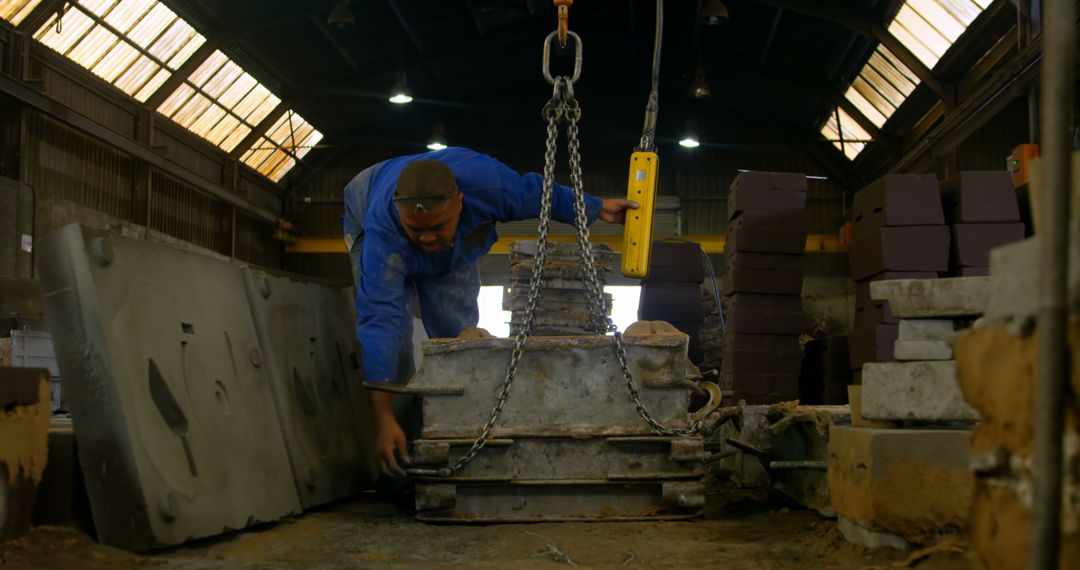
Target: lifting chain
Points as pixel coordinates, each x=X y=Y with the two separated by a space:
x=564 y=108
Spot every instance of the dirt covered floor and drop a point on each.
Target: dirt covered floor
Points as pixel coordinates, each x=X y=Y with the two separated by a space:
x=742 y=530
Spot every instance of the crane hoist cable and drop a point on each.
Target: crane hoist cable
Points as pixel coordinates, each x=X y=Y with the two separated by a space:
x=644 y=170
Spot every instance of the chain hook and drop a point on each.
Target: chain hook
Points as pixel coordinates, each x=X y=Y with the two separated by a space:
x=564 y=19
x=546 y=61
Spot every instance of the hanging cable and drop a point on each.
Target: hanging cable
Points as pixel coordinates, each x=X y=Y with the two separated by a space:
x=652 y=107
x=644 y=172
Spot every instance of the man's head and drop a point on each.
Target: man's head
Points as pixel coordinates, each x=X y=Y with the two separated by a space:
x=428 y=204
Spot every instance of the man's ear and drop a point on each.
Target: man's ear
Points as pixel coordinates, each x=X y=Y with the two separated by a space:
x=459 y=199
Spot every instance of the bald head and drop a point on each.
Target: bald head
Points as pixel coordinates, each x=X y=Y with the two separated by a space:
x=428 y=204
x=424 y=185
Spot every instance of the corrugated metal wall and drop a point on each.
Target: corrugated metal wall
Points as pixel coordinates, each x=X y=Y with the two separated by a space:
x=184 y=212
x=62 y=163
x=989 y=147
x=68 y=176
x=254 y=243
x=63 y=81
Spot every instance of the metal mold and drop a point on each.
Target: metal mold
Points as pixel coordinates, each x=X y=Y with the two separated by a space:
x=307 y=339
x=558 y=378
x=144 y=343
x=206 y=396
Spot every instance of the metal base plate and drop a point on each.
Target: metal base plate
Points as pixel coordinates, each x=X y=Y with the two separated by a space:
x=533 y=459
x=559 y=501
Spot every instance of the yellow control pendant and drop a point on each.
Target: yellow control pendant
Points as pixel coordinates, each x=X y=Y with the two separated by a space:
x=637 y=235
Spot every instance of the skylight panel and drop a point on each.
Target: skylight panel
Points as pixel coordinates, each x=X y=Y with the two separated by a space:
x=868 y=101
x=930 y=27
x=15 y=11
x=220 y=102
x=847 y=136
x=285 y=142
x=133 y=44
x=881 y=87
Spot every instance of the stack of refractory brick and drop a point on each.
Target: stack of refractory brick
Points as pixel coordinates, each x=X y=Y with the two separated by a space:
x=672 y=290
x=911 y=424
x=562 y=310
x=982 y=211
x=899 y=232
x=762 y=286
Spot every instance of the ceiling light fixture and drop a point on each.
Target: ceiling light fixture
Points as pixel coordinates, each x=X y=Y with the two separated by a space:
x=699 y=88
x=341 y=16
x=437 y=141
x=400 y=94
x=713 y=13
x=690 y=141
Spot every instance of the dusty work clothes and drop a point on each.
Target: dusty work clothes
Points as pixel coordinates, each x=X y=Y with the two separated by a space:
x=392 y=274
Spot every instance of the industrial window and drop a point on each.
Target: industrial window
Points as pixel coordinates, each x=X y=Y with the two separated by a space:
x=881 y=86
x=929 y=27
x=133 y=44
x=926 y=27
x=220 y=102
x=624 y=308
x=846 y=135
x=286 y=142
x=15 y=11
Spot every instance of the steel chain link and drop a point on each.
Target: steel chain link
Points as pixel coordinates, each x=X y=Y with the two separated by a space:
x=563 y=106
x=601 y=322
x=553 y=111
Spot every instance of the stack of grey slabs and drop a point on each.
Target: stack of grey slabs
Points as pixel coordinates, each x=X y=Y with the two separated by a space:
x=193 y=418
x=569 y=444
x=562 y=310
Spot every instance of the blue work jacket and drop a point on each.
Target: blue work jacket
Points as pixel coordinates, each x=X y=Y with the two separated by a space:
x=389 y=262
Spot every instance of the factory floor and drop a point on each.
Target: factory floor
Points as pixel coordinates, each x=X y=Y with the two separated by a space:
x=741 y=530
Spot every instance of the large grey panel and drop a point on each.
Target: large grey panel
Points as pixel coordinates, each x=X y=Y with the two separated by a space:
x=175 y=418
x=306 y=332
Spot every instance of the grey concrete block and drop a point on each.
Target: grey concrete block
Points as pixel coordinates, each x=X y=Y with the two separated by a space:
x=909 y=350
x=928 y=329
x=1014 y=279
x=929 y=298
x=178 y=435
x=925 y=391
x=308 y=342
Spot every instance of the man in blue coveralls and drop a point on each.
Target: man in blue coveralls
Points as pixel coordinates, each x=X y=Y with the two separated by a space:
x=415 y=227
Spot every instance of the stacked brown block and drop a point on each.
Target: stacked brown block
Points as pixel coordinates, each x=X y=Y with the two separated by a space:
x=672 y=290
x=762 y=286
x=899 y=232
x=982 y=213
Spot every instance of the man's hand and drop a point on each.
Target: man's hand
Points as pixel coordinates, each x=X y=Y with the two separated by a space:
x=614 y=210
x=390 y=443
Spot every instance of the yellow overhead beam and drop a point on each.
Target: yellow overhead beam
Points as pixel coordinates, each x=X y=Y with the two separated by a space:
x=709 y=243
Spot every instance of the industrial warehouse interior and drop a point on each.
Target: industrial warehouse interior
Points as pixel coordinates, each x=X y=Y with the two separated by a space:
x=539 y=283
